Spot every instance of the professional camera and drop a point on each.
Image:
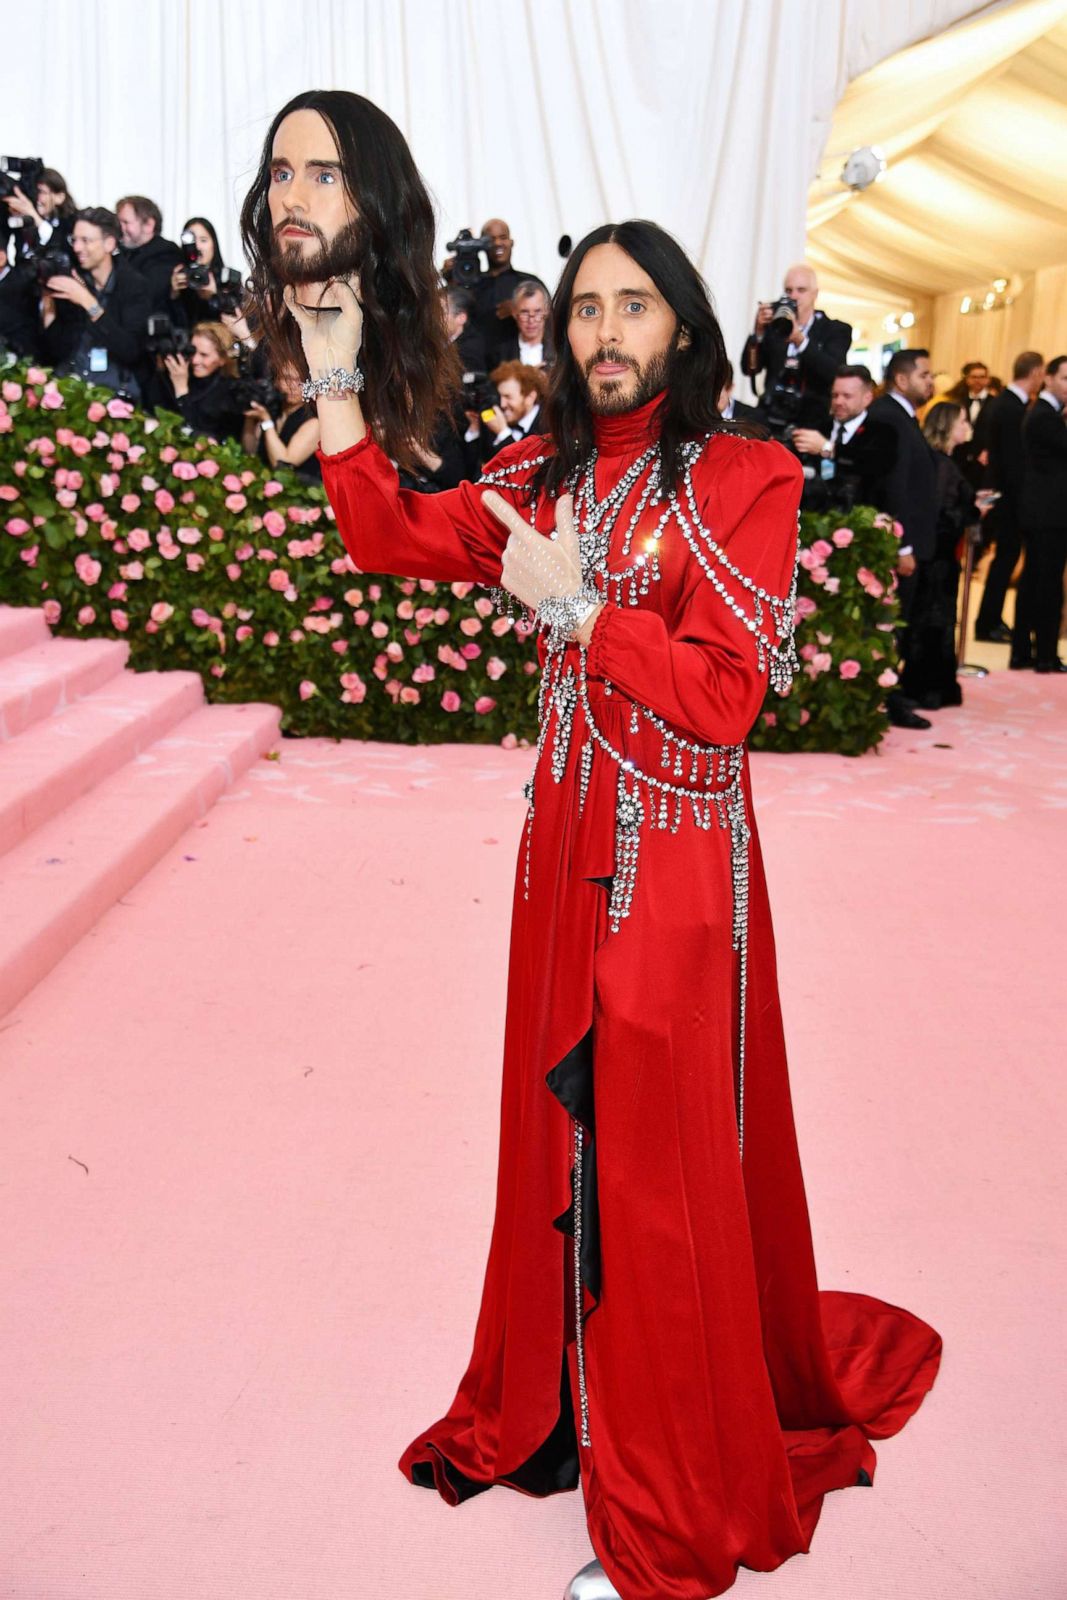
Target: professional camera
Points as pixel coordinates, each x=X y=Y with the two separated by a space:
x=250 y=390
x=230 y=290
x=783 y=314
x=20 y=172
x=195 y=270
x=780 y=405
x=52 y=264
x=466 y=268
x=479 y=392
x=164 y=339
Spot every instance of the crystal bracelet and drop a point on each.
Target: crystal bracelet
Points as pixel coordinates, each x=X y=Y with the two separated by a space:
x=335 y=382
x=562 y=615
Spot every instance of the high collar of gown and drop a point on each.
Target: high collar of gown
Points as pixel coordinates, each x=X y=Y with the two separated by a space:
x=628 y=432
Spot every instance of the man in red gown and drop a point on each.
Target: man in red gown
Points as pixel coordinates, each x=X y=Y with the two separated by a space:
x=650 y=1322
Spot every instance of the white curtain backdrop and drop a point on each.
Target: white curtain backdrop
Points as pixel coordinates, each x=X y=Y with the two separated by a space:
x=707 y=115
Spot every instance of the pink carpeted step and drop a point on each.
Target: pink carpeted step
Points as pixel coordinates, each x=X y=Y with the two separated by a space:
x=58 y=760
x=47 y=677
x=58 y=882
x=21 y=627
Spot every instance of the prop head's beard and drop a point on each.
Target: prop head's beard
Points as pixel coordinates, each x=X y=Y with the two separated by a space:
x=291 y=263
x=610 y=399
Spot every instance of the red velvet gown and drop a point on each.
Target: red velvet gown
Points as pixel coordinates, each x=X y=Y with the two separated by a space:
x=725 y=1393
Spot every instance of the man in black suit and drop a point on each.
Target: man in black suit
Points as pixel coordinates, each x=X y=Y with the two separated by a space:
x=908 y=493
x=1043 y=511
x=459 y=318
x=144 y=248
x=973 y=393
x=1003 y=453
x=493 y=291
x=798 y=355
x=95 y=322
x=20 y=330
x=858 y=453
x=531 y=343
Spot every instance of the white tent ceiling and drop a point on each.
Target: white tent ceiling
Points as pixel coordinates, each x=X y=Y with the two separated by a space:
x=973 y=123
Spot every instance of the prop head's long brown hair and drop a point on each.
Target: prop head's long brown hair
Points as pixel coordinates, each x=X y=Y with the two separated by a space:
x=409 y=366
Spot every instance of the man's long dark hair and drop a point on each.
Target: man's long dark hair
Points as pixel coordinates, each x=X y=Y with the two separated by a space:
x=408 y=362
x=695 y=375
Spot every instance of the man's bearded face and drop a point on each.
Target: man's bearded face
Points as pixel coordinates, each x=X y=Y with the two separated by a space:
x=310 y=257
x=610 y=396
x=622 y=332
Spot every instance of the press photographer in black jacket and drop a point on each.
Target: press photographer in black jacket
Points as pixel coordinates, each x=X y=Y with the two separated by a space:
x=204 y=385
x=1043 y=506
x=194 y=285
x=1003 y=418
x=94 y=322
x=798 y=352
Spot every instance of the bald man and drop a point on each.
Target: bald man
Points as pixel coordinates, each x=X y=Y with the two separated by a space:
x=493 y=309
x=798 y=355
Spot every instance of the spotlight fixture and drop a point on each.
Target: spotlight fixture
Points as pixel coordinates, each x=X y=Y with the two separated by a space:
x=863 y=167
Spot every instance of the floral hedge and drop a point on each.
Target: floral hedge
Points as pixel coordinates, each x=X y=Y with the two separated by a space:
x=123 y=525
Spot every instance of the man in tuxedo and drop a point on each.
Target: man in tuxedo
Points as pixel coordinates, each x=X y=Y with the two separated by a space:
x=974 y=394
x=495 y=289
x=521 y=393
x=908 y=493
x=1004 y=472
x=858 y=453
x=532 y=342
x=798 y=355
x=1043 y=510
x=732 y=410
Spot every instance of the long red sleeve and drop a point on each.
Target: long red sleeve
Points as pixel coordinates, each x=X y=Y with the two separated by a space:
x=701 y=674
x=449 y=537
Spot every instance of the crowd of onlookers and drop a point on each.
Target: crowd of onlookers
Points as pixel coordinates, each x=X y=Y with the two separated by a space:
x=104 y=294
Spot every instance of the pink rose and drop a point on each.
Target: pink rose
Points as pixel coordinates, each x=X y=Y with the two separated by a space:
x=822 y=549
x=30 y=554
x=887 y=678
x=17 y=526
x=199 y=617
x=130 y=502
x=52 y=400
x=85 y=616
x=808 y=559
x=484 y=607
x=501 y=625
x=355 y=690
x=270 y=639
x=272 y=488
x=80 y=446
x=843 y=537
x=235 y=502
x=208 y=468
x=11 y=391
x=162 y=611
x=495 y=668
x=274 y=523
x=96 y=412
x=164 y=501
x=849 y=669
x=138 y=539
x=87 y=569
x=307 y=689
x=819 y=574
x=450 y=700
x=361 y=618
x=821 y=661
x=379 y=630
x=409 y=696
x=375 y=591
x=190 y=535
x=119 y=409
x=462 y=590
x=119 y=620
x=806 y=607
x=832 y=585
x=36 y=375
x=470 y=652
x=52 y=612
x=394 y=651
x=405 y=610
x=279 y=579
x=424 y=673
x=470 y=626
x=185 y=470
x=770 y=719
x=484 y=704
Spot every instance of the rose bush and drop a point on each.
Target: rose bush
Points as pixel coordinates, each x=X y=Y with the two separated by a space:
x=121 y=524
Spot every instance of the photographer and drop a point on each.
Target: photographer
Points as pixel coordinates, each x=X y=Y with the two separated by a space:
x=857 y=454
x=94 y=320
x=194 y=281
x=49 y=222
x=494 y=290
x=287 y=434
x=20 y=331
x=204 y=385
x=798 y=350
x=519 y=411
x=154 y=257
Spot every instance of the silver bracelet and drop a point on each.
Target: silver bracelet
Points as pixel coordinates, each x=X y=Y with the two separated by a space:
x=563 y=614
x=336 y=381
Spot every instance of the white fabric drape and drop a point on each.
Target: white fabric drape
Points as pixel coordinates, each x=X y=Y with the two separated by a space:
x=707 y=115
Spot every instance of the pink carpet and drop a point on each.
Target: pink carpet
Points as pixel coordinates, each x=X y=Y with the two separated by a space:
x=248 y=1153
